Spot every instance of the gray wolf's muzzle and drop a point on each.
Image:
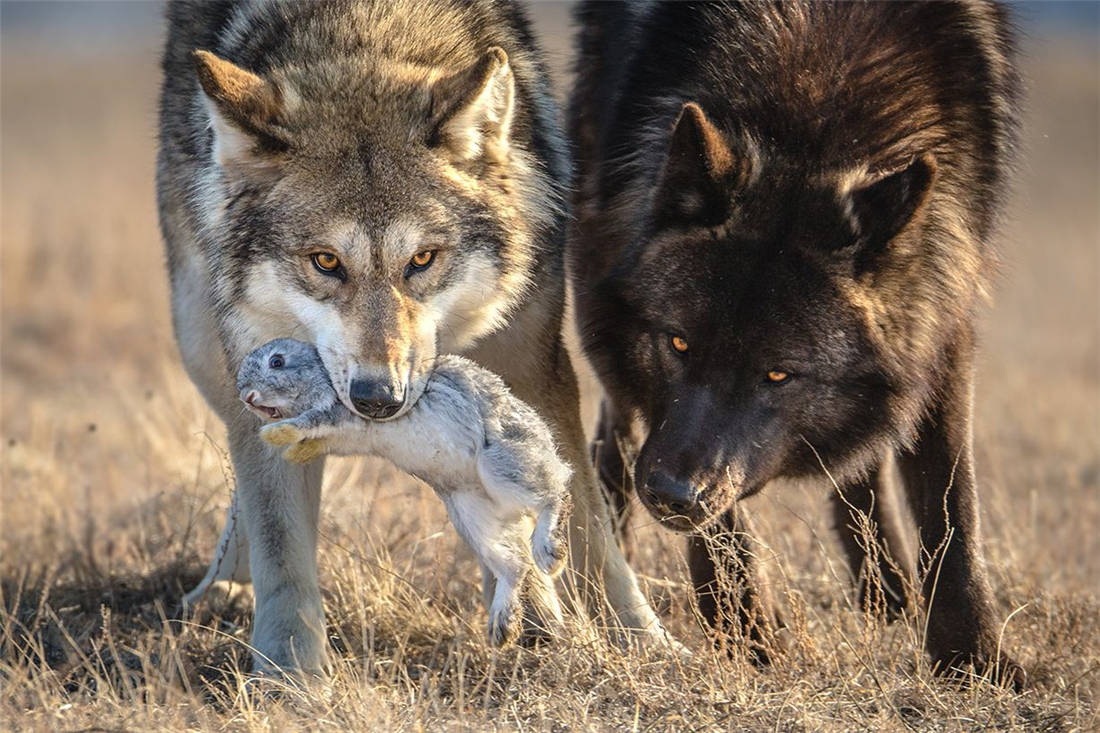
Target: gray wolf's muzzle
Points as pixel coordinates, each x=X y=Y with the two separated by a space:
x=377 y=399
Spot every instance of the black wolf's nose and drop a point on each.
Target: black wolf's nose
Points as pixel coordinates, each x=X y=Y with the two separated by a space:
x=678 y=497
x=377 y=400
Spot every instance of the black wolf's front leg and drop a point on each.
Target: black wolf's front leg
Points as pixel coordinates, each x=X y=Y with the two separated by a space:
x=963 y=628
x=874 y=545
x=733 y=600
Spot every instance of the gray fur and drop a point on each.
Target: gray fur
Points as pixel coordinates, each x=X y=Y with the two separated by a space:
x=488 y=455
x=360 y=128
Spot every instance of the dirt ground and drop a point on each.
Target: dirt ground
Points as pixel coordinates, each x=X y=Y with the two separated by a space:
x=115 y=477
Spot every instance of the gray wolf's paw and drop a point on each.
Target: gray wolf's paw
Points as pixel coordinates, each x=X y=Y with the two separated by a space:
x=549 y=555
x=505 y=624
x=281 y=433
x=267 y=684
x=305 y=451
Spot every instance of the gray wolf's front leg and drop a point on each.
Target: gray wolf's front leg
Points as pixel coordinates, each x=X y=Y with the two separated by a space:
x=230 y=558
x=279 y=508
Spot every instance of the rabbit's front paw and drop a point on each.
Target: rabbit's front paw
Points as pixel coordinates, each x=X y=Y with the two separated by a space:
x=305 y=451
x=281 y=433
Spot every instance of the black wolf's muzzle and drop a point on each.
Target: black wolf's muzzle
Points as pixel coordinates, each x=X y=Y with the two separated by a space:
x=675 y=502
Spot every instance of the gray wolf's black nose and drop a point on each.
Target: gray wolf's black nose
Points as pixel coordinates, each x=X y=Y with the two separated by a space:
x=377 y=400
x=678 y=497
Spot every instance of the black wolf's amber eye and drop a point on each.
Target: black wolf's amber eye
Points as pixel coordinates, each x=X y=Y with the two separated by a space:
x=777 y=377
x=421 y=260
x=679 y=344
x=326 y=262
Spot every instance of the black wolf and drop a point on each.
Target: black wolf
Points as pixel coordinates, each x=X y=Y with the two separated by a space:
x=784 y=224
x=385 y=180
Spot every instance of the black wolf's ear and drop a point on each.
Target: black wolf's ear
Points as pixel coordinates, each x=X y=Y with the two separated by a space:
x=884 y=208
x=700 y=172
x=472 y=110
x=244 y=110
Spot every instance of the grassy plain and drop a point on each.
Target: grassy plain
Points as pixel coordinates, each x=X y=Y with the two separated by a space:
x=115 y=480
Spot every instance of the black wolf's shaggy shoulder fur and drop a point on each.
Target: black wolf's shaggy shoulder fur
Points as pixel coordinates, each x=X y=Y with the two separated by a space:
x=827 y=85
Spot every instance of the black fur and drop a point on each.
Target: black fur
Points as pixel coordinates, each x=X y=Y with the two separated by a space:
x=804 y=193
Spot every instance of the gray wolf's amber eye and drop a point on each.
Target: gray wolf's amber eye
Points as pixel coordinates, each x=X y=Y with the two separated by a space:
x=276 y=361
x=420 y=261
x=326 y=262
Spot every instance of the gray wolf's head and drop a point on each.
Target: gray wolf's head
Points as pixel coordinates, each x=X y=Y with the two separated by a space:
x=379 y=209
x=283 y=378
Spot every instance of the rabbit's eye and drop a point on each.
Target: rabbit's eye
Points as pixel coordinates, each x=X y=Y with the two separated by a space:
x=276 y=361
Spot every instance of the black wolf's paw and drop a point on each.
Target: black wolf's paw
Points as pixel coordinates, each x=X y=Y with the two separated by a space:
x=998 y=670
x=535 y=632
x=765 y=640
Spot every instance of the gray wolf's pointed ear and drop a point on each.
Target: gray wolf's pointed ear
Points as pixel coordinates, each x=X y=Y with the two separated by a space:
x=245 y=111
x=471 y=111
x=700 y=172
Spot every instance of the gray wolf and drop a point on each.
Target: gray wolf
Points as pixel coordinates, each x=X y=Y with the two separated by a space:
x=385 y=180
x=785 y=223
x=488 y=456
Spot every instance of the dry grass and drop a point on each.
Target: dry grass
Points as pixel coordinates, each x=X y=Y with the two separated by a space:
x=115 y=482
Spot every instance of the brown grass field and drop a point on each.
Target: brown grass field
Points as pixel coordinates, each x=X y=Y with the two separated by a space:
x=114 y=481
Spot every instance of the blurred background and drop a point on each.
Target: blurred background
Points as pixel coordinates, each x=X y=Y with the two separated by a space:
x=102 y=430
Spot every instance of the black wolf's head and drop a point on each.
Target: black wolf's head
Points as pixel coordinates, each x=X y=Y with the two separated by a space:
x=384 y=209
x=740 y=326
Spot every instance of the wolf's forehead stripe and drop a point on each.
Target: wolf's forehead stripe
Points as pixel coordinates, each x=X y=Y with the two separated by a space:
x=350 y=236
x=403 y=235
